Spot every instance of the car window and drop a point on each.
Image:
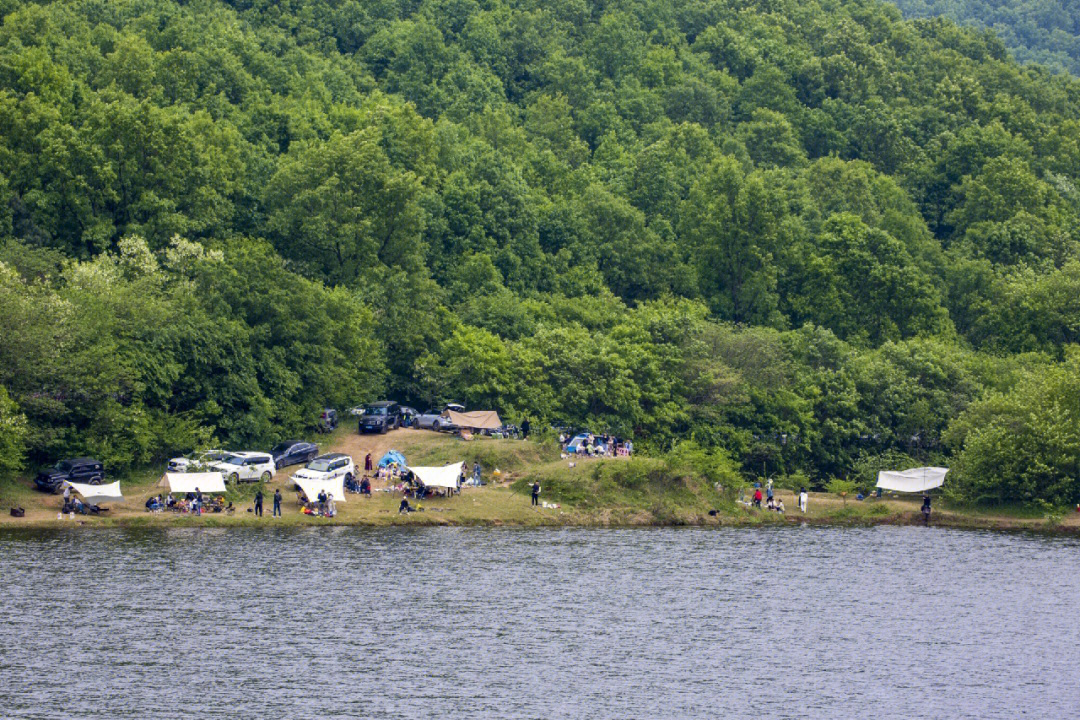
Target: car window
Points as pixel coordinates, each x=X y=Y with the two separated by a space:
x=319 y=465
x=233 y=460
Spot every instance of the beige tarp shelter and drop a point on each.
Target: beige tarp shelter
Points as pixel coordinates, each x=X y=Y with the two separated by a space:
x=207 y=482
x=913 y=480
x=476 y=420
x=447 y=476
x=334 y=486
x=97 y=494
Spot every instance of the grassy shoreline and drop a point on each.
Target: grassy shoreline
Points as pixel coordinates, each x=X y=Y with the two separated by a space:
x=614 y=493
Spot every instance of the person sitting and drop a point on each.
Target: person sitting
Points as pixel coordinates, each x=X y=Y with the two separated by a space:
x=322 y=502
x=404 y=507
x=780 y=506
x=365 y=486
x=78 y=506
x=154 y=504
x=770 y=504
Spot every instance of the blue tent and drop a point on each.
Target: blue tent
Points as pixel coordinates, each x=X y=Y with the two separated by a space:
x=392 y=456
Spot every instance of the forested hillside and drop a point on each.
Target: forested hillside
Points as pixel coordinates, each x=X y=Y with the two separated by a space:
x=1039 y=31
x=809 y=234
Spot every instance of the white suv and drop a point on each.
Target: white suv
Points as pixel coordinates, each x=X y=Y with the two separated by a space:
x=247 y=467
x=196 y=462
x=325 y=467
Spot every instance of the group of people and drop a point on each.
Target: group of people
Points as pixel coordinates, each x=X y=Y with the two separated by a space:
x=322 y=506
x=774 y=503
x=193 y=502
x=605 y=445
x=361 y=486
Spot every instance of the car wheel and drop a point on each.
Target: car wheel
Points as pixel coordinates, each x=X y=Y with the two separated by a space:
x=277 y=464
x=96 y=480
x=235 y=478
x=436 y=426
x=266 y=476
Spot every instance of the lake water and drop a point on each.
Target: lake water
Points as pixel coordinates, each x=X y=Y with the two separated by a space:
x=496 y=623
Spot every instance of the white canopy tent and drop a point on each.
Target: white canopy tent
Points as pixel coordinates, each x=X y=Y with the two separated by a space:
x=447 y=476
x=332 y=486
x=913 y=480
x=206 y=482
x=97 y=494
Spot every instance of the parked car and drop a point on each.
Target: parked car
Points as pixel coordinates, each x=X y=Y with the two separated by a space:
x=380 y=417
x=247 y=467
x=198 y=461
x=437 y=420
x=293 y=452
x=331 y=465
x=81 y=470
x=328 y=421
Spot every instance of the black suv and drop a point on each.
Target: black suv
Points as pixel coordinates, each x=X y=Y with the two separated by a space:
x=380 y=417
x=81 y=470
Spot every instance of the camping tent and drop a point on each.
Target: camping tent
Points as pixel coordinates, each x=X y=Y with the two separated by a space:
x=913 y=480
x=392 y=456
x=332 y=486
x=97 y=494
x=476 y=420
x=447 y=476
x=207 y=482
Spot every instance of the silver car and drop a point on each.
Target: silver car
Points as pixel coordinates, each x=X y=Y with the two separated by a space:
x=437 y=419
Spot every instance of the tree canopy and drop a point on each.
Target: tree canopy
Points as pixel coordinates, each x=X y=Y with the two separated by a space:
x=811 y=234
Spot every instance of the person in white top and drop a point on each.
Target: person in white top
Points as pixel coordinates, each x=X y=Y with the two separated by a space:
x=803 y=497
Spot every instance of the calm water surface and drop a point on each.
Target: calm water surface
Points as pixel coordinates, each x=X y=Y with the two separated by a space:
x=487 y=623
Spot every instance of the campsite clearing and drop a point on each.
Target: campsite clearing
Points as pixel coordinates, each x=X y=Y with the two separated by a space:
x=587 y=496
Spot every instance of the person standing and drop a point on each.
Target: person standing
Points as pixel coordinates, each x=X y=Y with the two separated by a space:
x=926 y=509
x=803 y=497
x=536 y=493
x=757 y=498
x=768 y=489
x=367 y=463
x=525 y=427
x=258 y=502
x=277 y=503
x=476 y=473
x=67 y=493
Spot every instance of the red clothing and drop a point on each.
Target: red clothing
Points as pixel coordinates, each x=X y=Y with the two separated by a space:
x=757 y=495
